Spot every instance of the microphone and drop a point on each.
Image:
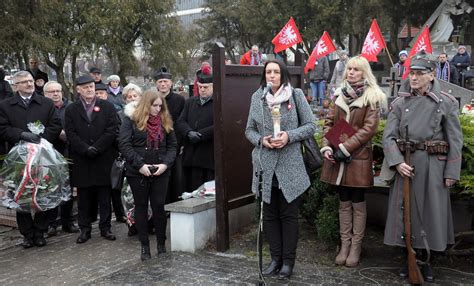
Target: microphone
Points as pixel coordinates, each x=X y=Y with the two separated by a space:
x=266 y=89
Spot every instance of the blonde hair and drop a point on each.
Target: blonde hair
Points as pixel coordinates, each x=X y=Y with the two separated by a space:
x=373 y=95
x=142 y=112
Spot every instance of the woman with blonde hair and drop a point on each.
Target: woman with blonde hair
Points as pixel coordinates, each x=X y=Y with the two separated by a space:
x=148 y=143
x=348 y=165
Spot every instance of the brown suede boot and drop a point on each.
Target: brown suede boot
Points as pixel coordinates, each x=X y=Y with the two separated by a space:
x=360 y=216
x=345 y=230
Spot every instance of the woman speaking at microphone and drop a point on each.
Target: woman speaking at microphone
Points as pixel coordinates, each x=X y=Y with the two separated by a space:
x=279 y=119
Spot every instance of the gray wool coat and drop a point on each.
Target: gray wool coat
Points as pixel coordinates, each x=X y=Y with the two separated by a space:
x=430 y=117
x=286 y=163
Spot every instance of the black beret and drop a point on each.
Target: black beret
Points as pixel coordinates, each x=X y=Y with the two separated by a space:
x=100 y=86
x=84 y=79
x=422 y=62
x=94 y=70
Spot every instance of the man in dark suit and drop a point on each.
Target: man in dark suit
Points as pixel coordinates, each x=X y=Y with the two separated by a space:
x=39 y=76
x=15 y=113
x=91 y=128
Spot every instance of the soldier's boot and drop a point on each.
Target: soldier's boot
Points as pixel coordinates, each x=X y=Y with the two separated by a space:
x=358 y=229
x=345 y=231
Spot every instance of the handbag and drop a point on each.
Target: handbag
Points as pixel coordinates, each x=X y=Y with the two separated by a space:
x=117 y=173
x=313 y=160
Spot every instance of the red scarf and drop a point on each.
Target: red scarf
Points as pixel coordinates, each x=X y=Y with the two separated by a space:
x=154 y=132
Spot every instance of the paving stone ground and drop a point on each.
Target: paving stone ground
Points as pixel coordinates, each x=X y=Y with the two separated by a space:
x=100 y=262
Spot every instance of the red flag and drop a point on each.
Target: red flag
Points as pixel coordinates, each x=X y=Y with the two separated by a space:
x=374 y=43
x=423 y=42
x=288 y=37
x=325 y=46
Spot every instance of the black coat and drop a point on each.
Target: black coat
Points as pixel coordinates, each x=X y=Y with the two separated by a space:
x=14 y=117
x=200 y=118
x=175 y=103
x=100 y=132
x=132 y=145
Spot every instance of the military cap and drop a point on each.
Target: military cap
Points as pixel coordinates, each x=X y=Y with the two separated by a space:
x=100 y=86
x=162 y=74
x=94 y=70
x=421 y=61
x=84 y=80
x=204 y=75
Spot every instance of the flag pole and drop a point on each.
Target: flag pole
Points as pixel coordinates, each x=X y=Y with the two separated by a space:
x=306 y=48
x=389 y=56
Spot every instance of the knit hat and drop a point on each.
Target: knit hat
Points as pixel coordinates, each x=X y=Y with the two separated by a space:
x=162 y=73
x=204 y=75
x=461 y=47
x=403 y=52
x=113 y=77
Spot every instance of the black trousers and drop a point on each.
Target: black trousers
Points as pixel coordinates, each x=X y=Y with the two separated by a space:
x=66 y=214
x=355 y=195
x=117 y=203
x=195 y=177
x=152 y=190
x=86 y=198
x=176 y=182
x=280 y=224
x=32 y=227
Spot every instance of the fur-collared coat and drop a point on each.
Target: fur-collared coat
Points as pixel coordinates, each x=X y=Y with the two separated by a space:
x=286 y=163
x=364 y=120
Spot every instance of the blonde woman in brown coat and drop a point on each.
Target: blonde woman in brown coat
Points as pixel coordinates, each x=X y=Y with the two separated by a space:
x=348 y=166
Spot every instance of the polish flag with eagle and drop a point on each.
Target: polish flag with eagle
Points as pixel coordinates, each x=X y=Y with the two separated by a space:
x=423 y=42
x=287 y=37
x=324 y=47
x=374 y=43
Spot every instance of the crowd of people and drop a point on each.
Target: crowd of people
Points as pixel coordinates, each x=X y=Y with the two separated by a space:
x=151 y=130
x=167 y=144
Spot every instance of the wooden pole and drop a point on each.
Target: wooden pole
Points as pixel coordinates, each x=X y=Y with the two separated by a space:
x=389 y=56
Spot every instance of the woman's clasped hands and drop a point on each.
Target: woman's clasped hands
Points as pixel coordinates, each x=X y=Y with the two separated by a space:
x=279 y=142
x=152 y=170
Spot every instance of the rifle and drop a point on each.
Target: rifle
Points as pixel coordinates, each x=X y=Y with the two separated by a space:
x=414 y=273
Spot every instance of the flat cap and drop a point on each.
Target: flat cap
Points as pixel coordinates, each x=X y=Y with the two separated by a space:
x=162 y=74
x=84 y=79
x=95 y=70
x=100 y=86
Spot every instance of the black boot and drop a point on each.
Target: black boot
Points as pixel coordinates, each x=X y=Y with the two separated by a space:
x=161 y=248
x=427 y=272
x=285 y=272
x=145 y=253
x=272 y=269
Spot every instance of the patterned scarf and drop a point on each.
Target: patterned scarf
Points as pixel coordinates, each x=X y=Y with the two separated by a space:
x=154 y=132
x=443 y=73
x=282 y=95
x=352 y=91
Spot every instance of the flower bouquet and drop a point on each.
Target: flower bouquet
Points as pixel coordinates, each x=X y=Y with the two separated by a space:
x=36 y=176
x=129 y=204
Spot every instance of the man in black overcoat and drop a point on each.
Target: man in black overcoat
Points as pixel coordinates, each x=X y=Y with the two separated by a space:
x=196 y=126
x=91 y=128
x=15 y=113
x=175 y=102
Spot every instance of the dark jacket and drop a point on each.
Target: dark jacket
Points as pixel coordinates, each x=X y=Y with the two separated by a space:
x=59 y=144
x=5 y=90
x=132 y=145
x=39 y=74
x=14 y=117
x=100 y=132
x=175 y=103
x=115 y=99
x=461 y=61
x=197 y=117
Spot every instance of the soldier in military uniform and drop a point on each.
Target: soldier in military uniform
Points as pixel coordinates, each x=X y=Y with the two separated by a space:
x=434 y=128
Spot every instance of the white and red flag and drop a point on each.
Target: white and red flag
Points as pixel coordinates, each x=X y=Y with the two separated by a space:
x=423 y=42
x=374 y=43
x=324 y=47
x=287 y=37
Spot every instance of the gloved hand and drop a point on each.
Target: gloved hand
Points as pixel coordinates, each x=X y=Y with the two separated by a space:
x=92 y=152
x=194 y=137
x=339 y=156
x=30 y=137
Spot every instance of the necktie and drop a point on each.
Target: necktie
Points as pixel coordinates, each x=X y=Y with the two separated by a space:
x=26 y=101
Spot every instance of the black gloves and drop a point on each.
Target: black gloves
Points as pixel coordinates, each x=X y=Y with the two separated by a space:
x=339 y=156
x=194 y=137
x=92 y=152
x=30 y=137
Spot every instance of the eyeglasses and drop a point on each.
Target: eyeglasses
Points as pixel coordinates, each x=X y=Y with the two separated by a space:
x=25 y=81
x=53 y=91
